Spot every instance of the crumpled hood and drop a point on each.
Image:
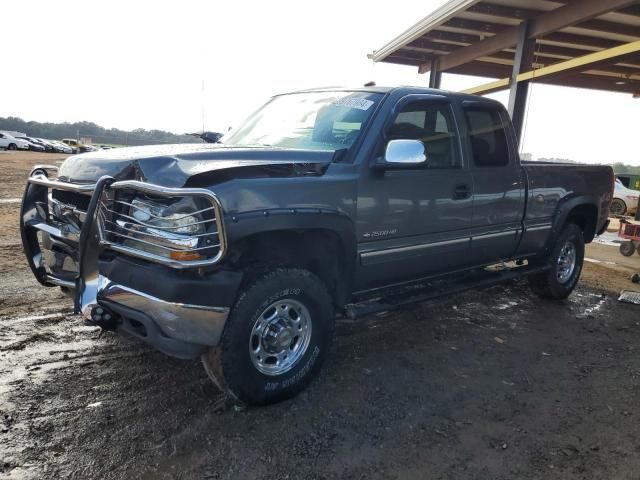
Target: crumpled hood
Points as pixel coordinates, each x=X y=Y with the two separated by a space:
x=174 y=165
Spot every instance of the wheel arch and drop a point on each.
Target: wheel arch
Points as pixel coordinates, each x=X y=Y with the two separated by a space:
x=583 y=211
x=321 y=242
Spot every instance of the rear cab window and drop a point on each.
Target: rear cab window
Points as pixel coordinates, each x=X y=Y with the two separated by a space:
x=487 y=136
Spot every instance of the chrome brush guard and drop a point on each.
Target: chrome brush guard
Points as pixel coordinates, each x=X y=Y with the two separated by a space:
x=77 y=238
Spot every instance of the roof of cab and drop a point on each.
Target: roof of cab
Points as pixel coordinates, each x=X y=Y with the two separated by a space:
x=402 y=89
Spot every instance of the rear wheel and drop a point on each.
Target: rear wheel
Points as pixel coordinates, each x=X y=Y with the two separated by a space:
x=618 y=207
x=12 y=146
x=565 y=264
x=628 y=248
x=276 y=338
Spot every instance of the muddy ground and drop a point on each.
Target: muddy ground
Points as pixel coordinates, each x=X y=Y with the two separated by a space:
x=485 y=385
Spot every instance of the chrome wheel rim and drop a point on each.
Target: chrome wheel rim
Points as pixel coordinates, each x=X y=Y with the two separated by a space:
x=566 y=262
x=280 y=337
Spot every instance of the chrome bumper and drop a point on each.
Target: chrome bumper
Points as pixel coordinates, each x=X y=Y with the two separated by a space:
x=195 y=324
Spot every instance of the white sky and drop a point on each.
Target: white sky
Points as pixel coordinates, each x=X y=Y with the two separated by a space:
x=142 y=64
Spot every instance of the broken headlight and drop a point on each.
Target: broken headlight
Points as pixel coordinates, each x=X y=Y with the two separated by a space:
x=181 y=217
x=181 y=228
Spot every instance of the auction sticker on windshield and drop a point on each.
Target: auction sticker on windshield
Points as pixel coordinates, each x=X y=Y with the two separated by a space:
x=359 y=103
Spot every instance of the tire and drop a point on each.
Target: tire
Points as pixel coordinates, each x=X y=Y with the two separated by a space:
x=12 y=146
x=565 y=260
x=618 y=207
x=628 y=248
x=260 y=359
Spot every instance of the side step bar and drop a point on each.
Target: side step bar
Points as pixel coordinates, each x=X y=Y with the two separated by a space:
x=428 y=291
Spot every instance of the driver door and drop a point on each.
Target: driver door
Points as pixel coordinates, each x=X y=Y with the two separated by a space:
x=414 y=222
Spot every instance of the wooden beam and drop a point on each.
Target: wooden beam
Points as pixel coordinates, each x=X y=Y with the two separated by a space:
x=633 y=10
x=400 y=60
x=541 y=25
x=517 y=13
x=578 y=63
x=603 y=26
x=477 y=69
x=504 y=11
x=557 y=39
x=488 y=88
x=578 y=80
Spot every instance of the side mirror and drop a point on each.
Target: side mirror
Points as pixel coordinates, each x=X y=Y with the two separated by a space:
x=403 y=154
x=211 y=137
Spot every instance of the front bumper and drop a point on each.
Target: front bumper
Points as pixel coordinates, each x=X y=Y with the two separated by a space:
x=178 y=329
x=180 y=311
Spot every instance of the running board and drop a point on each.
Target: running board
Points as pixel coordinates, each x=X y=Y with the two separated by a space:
x=427 y=291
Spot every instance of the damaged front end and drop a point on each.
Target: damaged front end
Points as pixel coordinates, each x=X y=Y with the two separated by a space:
x=135 y=257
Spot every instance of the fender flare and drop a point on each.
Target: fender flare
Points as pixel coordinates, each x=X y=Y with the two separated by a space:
x=242 y=225
x=565 y=206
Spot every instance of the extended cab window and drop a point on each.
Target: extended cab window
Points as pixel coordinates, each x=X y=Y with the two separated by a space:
x=431 y=123
x=488 y=137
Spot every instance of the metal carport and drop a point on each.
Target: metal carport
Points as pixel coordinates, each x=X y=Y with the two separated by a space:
x=576 y=43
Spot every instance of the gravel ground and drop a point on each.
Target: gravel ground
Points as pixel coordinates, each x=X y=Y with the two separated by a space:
x=485 y=385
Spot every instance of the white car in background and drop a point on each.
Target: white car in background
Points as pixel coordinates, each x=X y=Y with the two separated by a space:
x=625 y=200
x=11 y=143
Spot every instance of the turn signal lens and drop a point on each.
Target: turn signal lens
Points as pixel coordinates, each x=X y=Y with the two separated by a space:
x=185 y=256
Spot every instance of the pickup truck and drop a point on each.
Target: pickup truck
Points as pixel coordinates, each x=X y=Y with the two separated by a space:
x=323 y=203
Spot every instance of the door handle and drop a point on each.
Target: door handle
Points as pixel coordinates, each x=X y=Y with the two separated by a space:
x=460 y=192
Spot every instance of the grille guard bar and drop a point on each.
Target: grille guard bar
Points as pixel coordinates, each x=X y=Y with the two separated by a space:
x=91 y=240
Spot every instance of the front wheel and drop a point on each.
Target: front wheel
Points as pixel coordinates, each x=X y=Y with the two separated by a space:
x=12 y=147
x=276 y=338
x=565 y=264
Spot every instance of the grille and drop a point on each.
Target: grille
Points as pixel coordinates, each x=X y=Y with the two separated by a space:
x=128 y=224
x=77 y=200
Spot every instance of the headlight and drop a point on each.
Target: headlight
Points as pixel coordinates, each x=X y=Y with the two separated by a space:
x=182 y=228
x=179 y=217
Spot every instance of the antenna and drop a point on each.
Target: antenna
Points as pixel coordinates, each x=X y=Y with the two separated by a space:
x=202 y=104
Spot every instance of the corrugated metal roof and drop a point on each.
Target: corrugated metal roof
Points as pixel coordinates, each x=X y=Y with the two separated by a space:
x=461 y=24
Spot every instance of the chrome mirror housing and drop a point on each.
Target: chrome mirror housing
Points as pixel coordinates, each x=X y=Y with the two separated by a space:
x=405 y=153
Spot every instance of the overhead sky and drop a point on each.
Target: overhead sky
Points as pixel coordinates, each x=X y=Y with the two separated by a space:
x=170 y=65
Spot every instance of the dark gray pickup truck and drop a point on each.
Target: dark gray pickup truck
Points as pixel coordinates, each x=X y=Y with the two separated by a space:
x=323 y=203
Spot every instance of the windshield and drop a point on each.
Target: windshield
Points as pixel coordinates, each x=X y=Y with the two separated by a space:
x=309 y=121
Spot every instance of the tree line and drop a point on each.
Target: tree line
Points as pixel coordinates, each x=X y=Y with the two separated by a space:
x=98 y=134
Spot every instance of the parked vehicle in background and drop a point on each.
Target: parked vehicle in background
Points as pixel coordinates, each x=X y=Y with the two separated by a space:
x=630 y=181
x=322 y=202
x=34 y=145
x=76 y=146
x=58 y=146
x=47 y=145
x=625 y=200
x=11 y=143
